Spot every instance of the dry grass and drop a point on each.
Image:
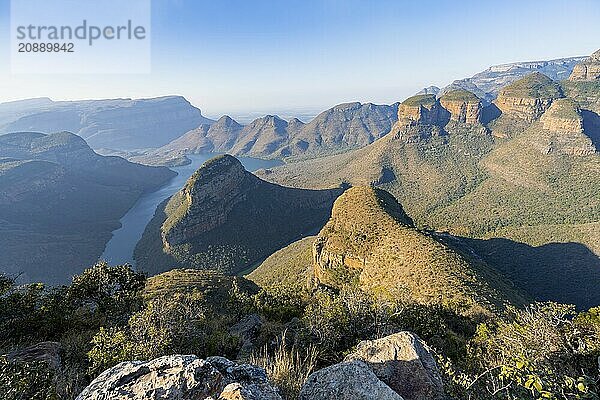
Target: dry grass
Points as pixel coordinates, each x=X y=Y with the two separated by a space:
x=287 y=367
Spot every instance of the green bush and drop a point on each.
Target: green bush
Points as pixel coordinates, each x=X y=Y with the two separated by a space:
x=543 y=352
x=26 y=381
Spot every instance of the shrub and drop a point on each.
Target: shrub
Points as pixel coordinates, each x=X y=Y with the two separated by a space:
x=539 y=352
x=26 y=381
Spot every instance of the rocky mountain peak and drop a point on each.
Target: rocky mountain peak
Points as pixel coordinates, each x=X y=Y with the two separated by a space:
x=224 y=208
x=429 y=90
x=347 y=106
x=369 y=238
x=587 y=70
x=227 y=121
x=205 y=200
x=564 y=122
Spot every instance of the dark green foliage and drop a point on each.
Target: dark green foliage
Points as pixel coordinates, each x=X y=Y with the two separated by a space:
x=29 y=314
x=107 y=292
x=26 y=381
x=545 y=351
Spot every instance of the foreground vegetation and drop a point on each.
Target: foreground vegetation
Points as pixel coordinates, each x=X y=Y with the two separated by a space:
x=106 y=316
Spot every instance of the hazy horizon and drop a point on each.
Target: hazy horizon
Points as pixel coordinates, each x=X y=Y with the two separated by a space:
x=299 y=58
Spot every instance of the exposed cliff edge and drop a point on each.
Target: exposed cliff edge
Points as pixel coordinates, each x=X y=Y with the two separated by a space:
x=587 y=70
x=226 y=218
x=529 y=97
x=564 y=122
x=463 y=106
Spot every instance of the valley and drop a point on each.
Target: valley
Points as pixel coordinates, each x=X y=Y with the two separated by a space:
x=120 y=248
x=446 y=246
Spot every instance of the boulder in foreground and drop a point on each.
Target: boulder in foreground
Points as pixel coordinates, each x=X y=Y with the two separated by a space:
x=346 y=381
x=404 y=363
x=181 y=377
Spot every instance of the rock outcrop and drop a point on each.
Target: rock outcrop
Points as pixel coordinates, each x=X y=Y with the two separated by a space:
x=422 y=110
x=346 y=381
x=404 y=363
x=464 y=106
x=226 y=218
x=247 y=330
x=529 y=97
x=47 y=352
x=587 y=70
x=563 y=116
x=399 y=366
x=181 y=377
x=565 y=124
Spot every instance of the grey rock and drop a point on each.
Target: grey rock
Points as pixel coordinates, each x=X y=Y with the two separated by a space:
x=404 y=363
x=346 y=381
x=48 y=352
x=181 y=377
x=247 y=329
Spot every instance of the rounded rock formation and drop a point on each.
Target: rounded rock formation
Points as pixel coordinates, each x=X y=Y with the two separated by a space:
x=346 y=381
x=404 y=363
x=181 y=377
x=464 y=106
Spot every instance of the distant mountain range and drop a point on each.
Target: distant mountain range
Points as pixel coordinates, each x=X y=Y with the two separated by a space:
x=341 y=128
x=60 y=201
x=487 y=84
x=120 y=124
x=162 y=130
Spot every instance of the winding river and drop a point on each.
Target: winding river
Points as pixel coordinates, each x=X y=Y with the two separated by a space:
x=119 y=250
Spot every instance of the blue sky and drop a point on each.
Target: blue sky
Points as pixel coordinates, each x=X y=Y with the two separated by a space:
x=239 y=57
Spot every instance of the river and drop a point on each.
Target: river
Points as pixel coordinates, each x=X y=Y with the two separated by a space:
x=119 y=250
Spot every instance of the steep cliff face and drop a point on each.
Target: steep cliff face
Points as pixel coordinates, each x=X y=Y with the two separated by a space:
x=464 y=106
x=422 y=110
x=587 y=70
x=226 y=218
x=206 y=200
x=563 y=116
x=566 y=135
x=529 y=97
x=370 y=239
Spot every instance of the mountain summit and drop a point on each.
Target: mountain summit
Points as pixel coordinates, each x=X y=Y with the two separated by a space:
x=226 y=218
